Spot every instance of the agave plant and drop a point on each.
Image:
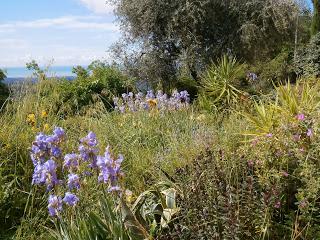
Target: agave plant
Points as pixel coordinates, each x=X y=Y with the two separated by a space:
x=220 y=80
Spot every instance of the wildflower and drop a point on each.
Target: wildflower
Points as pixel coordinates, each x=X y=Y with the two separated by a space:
x=285 y=174
x=46 y=127
x=301 y=117
x=71 y=161
x=252 y=76
x=59 y=132
x=70 y=199
x=51 y=176
x=269 y=135
x=250 y=163
x=152 y=103
x=115 y=188
x=90 y=140
x=54 y=205
x=128 y=195
x=31 y=118
x=44 y=114
x=296 y=137
x=73 y=181
x=110 y=170
x=88 y=149
x=277 y=204
x=39 y=175
x=309 y=132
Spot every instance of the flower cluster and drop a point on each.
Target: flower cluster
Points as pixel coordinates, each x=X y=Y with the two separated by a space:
x=139 y=102
x=252 y=76
x=110 y=170
x=45 y=151
x=47 y=158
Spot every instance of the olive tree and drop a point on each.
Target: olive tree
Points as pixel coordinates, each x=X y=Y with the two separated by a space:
x=161 y=37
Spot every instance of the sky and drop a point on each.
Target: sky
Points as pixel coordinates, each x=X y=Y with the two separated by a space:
x=56 y=32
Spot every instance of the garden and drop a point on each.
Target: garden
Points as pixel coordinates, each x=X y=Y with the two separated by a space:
x=193 y=132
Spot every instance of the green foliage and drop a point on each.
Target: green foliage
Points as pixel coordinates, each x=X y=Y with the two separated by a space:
x=276 y=71
x=102 y=84
x=158 y=43
x=220 y=82
x=116 y=219
x=308 y=59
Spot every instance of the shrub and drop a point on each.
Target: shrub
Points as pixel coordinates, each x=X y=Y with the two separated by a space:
x=308 y=58
x=102 y=84
x=275 y=71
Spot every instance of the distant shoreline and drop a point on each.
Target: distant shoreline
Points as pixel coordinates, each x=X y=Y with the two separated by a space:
x=11 y=80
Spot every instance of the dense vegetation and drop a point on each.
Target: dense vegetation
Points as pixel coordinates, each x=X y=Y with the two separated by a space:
x=125 y=152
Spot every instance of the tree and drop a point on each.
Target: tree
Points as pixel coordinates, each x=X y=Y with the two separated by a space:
x=315 y=25
x=4 y=91
x=162 y=36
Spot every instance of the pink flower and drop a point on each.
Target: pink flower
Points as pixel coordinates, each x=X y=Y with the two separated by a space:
x=250 y=163
x=285 y=174
x=277 y=204
x=301 y=117
x=309 y=132
x=296 y=137
x=254 y=142
x=269 y=135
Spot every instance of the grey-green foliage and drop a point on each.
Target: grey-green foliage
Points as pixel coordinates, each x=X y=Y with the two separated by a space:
x=308 y=60
x=161 y=36
x=315 y=26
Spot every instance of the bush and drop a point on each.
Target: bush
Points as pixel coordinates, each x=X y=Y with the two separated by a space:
x=276 y=71
x=99 y=82
x=308 y=58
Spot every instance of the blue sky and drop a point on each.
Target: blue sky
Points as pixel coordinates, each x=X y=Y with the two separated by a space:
x=69 y=32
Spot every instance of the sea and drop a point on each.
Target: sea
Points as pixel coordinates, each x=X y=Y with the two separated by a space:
x=20 y=73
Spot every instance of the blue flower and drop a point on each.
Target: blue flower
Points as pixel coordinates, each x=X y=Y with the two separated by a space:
x=51 y=176
x=73 y=181
x=70 y=199
x=71 y=161
x=39 y=175
x=54 y=205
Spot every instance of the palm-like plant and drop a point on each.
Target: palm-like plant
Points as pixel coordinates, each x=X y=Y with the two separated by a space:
x=220 y=80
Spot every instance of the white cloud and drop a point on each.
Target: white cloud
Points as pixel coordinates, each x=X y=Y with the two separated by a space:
x=98 y=6
x=67 y=22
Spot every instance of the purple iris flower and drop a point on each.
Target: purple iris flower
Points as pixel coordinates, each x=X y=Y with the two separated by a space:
x=73 y=181
x=39 y=175
x=54 y=205
x=71 y=161
x=58 y=131
x=51 y=176
x=70 y=199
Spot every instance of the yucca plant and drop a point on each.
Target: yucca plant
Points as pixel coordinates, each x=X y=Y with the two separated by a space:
x=220 y=81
